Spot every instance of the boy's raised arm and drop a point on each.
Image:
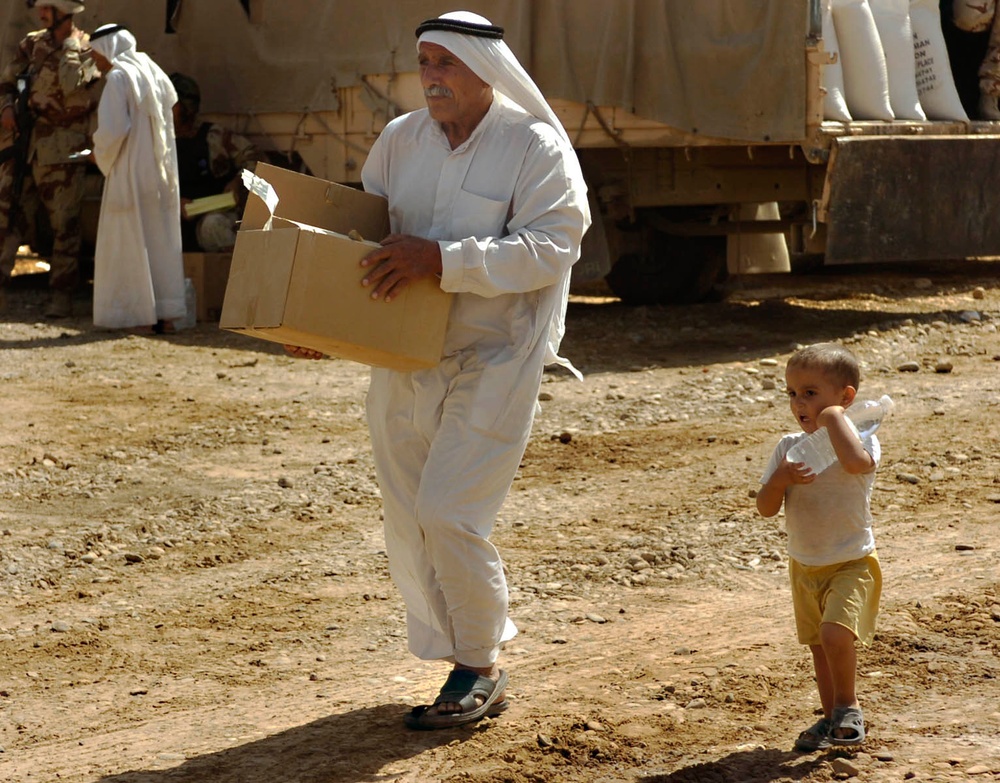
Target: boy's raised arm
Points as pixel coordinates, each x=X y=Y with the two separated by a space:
x=850 y=451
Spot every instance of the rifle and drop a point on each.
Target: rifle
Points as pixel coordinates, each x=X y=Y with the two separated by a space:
x=18 y=151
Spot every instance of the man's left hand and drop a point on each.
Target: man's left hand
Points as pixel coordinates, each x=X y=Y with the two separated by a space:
x=402 y=259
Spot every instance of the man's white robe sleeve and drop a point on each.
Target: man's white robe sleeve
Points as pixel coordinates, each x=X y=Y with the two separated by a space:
x=113 y=121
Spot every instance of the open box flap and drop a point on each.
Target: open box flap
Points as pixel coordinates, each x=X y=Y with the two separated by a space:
x=317 y=202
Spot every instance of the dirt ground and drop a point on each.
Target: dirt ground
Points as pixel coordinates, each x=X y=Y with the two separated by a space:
x=195 y=588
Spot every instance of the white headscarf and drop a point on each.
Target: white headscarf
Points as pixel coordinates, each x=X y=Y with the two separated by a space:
x=493 y=62
x=153 y=92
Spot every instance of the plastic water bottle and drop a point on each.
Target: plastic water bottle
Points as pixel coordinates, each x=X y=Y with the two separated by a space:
x=190 y=307
x=817 y=452
x=869 y=415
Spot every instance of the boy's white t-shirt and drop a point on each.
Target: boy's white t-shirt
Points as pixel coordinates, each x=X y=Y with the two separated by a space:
x=828 y=521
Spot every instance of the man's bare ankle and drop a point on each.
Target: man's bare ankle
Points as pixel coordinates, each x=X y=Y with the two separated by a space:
x=484 y=671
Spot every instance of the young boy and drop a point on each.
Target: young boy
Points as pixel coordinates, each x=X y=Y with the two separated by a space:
x=833 y=566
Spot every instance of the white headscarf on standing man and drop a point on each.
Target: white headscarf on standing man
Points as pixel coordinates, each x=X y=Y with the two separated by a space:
x=154 y=96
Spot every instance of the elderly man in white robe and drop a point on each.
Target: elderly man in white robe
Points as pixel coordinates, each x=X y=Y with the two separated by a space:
x=485 y=193
x=138 y=266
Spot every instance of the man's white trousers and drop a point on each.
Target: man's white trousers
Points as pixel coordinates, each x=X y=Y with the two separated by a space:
x=447 y=443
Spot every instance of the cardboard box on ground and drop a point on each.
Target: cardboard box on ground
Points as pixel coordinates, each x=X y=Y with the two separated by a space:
x=292 y=285
x=209 y=272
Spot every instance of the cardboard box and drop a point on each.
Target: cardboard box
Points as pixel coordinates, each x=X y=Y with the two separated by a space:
x=209 y=272
x=292 y=285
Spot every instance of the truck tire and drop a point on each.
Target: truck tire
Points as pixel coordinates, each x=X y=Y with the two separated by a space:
x=673 y=270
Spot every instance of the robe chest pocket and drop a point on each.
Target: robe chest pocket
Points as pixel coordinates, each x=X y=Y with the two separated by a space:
x=478 y=216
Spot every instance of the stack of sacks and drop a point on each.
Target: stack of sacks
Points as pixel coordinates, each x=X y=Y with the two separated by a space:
x=893 y=63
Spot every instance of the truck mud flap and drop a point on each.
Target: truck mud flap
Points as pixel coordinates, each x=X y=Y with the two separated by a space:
x=900 y=198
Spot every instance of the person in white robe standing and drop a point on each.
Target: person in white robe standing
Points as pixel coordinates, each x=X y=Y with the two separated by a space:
x=485 y=193
x=138 y=266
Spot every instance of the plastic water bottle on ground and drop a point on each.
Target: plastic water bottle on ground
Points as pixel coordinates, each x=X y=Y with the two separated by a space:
x=190 y=307
x=817 y=452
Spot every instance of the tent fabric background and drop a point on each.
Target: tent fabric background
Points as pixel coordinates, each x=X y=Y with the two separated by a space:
x=732 y=69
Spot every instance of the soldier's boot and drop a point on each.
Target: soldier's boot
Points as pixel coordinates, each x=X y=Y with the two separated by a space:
x=60 y=304
x=988 y=109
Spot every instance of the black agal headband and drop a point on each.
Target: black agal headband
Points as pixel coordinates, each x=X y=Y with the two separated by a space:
x=117 y=28
x=458 y=26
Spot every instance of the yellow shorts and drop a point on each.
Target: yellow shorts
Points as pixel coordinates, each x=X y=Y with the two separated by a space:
x=844 y=593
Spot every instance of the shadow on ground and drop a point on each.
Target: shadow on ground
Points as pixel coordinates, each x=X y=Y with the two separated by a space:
x=747 y=766
x=348 y=748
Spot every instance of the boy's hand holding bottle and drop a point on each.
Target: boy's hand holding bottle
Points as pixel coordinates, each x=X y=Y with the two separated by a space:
x=839 y=436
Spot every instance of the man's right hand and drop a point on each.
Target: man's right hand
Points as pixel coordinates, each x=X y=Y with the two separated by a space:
x=400 y=260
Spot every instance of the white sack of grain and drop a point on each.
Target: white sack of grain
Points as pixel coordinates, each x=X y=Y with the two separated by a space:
x=935 y=83
x=892 y=19
x=834 y=102
x=866 y=79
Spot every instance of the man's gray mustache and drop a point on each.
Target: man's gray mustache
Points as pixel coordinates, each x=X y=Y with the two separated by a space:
x=437 y=91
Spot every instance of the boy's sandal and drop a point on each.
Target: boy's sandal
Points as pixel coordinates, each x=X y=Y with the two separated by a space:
x=816 y=737
x=851 y=721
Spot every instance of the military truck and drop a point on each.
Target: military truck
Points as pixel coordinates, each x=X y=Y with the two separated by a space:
x=700 y=126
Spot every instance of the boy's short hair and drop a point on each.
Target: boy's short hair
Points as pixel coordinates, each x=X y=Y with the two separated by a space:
x=832 y=359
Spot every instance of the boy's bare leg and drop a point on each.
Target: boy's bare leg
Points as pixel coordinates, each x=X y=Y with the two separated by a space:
x=842 y=664
x=824 y=681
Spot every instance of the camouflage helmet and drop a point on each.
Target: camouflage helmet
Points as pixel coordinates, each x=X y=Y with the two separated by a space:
x=66 y=6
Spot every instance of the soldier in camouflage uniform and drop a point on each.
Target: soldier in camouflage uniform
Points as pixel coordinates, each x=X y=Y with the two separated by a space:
x=62 y=80
x=210 y=159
